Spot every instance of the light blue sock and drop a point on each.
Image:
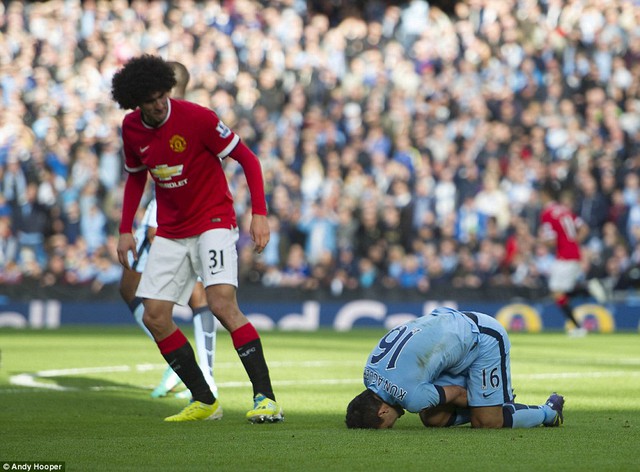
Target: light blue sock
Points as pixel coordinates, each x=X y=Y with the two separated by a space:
x=137 y=308
x=517 y=415
x=204 y=328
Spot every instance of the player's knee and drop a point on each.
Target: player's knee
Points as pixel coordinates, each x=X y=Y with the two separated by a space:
x=225 y=308
x=155 y=321
x=149 y=320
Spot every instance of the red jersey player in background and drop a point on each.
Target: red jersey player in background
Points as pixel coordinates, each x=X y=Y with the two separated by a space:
x=182 y=145
x=561 y=228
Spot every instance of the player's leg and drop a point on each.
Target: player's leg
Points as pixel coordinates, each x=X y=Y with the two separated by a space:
x=128 y=285
x=168 y=279
x=219 y=265
x=246 y=341
x=562 y=281
x=489 y=390
x=564 y=303
x=517 y=415
x=204 y=328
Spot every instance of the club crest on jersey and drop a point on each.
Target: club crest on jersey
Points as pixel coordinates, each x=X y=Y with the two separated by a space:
x=223 y=130
x=178 y=143
x=164 y=172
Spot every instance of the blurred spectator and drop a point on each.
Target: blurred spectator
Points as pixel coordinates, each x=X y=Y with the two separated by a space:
x=412 y=274
x=394 y=125
x=31 y=222
x=492 y=201
x=8 y=244
x=296 y=271
x=591 y=205
x=55 y=272
x=319 y=226
x=368 y=273
x=14 y=181
x=93 y=229
x=108 y=272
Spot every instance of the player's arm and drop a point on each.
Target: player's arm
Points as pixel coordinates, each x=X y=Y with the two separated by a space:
x=453 y=395
x=452 y=399
x=133 y=190
x=582 y=230
x=547 y=235
x=253 y=173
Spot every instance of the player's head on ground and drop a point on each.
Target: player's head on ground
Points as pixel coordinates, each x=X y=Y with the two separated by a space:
x=141 y=80
x=368 y=411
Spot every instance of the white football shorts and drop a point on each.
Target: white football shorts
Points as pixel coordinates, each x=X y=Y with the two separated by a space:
x=564 y=275
x=174 y=264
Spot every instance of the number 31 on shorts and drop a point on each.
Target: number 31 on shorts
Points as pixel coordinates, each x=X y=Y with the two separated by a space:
x=216 y=261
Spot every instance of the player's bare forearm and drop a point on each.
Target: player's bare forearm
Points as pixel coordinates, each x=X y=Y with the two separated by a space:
x=260 y=232
x=440 y=415
x=437 y=416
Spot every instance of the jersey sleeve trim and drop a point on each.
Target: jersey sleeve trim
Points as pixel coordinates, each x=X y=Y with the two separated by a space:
x=441 y=394
x=133 y=170
x=230 y=147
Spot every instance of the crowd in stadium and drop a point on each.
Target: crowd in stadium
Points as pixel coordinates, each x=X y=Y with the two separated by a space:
x=402 y=145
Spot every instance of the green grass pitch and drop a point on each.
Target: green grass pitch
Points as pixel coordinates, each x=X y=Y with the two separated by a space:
x=81 y=395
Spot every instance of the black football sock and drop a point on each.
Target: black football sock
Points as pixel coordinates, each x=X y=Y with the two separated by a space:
x=249 y=349
x=564 y=302
x=568 y=312
x=180 y=356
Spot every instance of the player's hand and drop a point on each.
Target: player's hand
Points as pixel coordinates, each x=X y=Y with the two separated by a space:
x=259 y=231
x=126 y=243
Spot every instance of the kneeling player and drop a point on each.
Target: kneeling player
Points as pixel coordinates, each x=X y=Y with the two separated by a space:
x=452 y=368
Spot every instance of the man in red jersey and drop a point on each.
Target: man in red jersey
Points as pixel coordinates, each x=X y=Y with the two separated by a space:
x=182 y=146
x=561 y=228
x=204 y=323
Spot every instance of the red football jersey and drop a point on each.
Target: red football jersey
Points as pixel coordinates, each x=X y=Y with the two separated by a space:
x=184 y=157
x=559 y=223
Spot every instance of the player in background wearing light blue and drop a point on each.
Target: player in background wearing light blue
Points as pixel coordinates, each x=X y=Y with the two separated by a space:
x=451 y=368
x=204 y=323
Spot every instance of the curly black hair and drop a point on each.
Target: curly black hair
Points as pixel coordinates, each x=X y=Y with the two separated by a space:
x=139 y=79
x=362 y=411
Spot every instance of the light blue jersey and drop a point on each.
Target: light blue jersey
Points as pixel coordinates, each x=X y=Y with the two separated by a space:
x=446 y=347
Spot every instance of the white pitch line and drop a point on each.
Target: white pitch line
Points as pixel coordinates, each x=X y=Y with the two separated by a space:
x=149 y=367
x=31 y=380
x=28 y=380
x=579 y=375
